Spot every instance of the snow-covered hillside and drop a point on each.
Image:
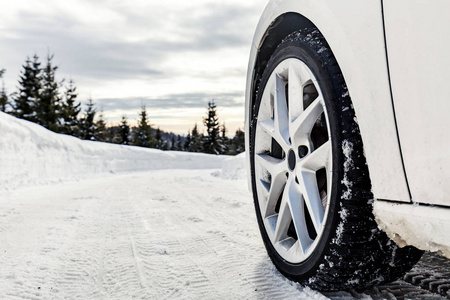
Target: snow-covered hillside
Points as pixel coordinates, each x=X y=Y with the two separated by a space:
x=32 y=154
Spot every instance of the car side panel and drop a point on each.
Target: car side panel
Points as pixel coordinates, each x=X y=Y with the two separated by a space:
x=354 y=31
x=418 y=43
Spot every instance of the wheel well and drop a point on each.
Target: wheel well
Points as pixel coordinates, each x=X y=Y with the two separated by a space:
x=277 y=31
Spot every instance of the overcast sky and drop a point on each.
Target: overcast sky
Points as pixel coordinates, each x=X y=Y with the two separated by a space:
x=172 y=56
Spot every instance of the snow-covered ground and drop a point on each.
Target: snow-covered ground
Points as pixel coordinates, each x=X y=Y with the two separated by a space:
x=87 y=220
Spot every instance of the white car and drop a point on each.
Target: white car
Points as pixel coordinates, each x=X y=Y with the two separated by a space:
x=348 y=137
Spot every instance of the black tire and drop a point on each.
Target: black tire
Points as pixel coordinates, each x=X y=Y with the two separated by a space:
x=352 y=252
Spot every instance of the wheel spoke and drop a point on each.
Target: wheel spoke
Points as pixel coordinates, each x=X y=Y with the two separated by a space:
x=283 y=221
x=298 y=214
x=318 y=159
x=312 y=198
x=280 y=115
x=268 y=126
x=296 y=79
x=304 y=123
x=273 y=165
x=277 y=169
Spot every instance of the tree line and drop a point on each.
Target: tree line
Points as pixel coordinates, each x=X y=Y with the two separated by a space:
x=53 y=104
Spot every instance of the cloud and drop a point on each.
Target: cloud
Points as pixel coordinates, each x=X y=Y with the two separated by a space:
x=111 y=47
x=190 y=100
x=129 y=39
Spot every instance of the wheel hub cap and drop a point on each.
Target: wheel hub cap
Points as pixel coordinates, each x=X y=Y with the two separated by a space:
x=291 y=160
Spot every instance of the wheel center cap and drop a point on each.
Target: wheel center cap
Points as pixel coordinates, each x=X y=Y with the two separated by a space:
x=291 y=160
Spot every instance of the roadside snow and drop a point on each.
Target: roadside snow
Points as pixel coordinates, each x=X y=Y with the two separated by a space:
x=234 y=167
x=30 y=154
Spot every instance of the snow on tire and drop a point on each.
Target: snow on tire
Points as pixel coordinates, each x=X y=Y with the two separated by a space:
x=310 y=181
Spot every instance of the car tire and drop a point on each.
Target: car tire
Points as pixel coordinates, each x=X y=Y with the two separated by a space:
x=310 y=181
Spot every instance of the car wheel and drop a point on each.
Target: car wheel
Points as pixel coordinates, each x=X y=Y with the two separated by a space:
x=310 y=181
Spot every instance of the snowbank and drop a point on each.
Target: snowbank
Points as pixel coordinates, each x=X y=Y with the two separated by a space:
x=31 y=154
x=234 y=167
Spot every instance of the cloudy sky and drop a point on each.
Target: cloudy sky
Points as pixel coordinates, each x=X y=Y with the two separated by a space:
x=172 y=56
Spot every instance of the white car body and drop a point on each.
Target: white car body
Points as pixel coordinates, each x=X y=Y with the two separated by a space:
x=394 y=55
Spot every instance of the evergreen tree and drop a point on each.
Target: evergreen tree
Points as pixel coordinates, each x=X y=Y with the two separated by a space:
x=88 y=128
x=124 y=131
x=26 y=98
x=224 y=140
x=144 y=136
x=101 y=131
x=238 y=142
x=164 y=145
x=196 y=138
x=4 y=101
x=172 y=142
x=211 y=143
x=179 y=144
x=158 y=137
x=69 y=111
x=187 y=143
x=48 y=106
x=113 y=135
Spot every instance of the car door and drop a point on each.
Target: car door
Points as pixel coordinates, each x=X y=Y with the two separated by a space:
x=418 y=47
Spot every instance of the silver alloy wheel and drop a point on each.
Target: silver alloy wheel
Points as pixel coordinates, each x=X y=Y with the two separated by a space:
x=293 y=160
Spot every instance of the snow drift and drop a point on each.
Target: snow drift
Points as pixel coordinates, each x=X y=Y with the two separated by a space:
x=31 y=154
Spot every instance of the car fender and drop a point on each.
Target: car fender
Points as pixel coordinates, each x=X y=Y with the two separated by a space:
x=356 y=38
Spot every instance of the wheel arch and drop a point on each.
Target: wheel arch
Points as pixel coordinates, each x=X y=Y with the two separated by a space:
x=280 y=28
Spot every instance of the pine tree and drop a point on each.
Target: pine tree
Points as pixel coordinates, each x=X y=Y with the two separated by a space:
x=26 y=98
x=4 y=101
x=113 y=135
x=211 y=143
x=48 y=106
x=159 y=140
x=164 y=145
x=187 y=143
x=69 y=111
x=238 y=142
x=124 y=131
x=144 y=135
x=196 y=138
x=172 y=143
x=101 y=131
x=224 y=140
x=88 y=128
x=179 y=144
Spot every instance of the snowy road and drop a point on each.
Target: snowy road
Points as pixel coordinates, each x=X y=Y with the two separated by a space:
x=175 y=234
x=168 y=234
